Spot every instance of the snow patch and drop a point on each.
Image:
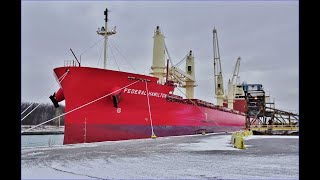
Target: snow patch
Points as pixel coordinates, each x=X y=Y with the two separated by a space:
x=49 y=173
x=211 y=143
x=270 y=136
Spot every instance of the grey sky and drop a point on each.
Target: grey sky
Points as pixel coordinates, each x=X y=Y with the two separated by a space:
x=264 y=34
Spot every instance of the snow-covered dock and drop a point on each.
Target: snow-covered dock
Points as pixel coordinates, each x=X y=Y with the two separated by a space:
x=184 y=157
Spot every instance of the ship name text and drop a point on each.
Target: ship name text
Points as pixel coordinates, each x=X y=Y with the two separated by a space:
x=144 y=93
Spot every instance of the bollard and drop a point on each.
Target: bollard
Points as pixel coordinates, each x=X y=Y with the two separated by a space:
x=239 y=142
x=153 y=136
x=237 y=139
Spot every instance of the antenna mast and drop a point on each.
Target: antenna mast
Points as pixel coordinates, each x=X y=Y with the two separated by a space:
x=104 y=32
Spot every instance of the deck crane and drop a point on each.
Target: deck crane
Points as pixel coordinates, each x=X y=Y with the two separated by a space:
x=218 y=79
x=185 y=79
x=232 y=84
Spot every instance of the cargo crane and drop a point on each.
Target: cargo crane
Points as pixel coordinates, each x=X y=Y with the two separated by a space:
x=232 y=83
x=166 y=75
x=218 y=79
x=185 y=79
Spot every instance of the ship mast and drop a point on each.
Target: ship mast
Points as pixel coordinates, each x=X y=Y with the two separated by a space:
x=104 y=32
x=158 y=65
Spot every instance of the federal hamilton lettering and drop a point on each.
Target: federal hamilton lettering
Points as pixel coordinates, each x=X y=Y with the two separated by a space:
x=144 y=93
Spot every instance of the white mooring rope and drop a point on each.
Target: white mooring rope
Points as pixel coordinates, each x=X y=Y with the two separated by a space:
x=30 y=112
x=27 y=108
x=152 y=135
x=80 y=106
x=50 y=88
x=62 y=77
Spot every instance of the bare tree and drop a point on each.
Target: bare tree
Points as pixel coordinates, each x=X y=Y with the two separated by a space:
x=43 y=113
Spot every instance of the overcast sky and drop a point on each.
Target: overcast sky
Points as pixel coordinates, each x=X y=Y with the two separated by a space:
x=264 y=34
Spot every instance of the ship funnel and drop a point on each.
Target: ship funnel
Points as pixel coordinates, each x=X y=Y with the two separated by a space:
x=158 y=63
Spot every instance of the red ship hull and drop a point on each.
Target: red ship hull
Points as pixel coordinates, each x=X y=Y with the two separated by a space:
x=90 y=119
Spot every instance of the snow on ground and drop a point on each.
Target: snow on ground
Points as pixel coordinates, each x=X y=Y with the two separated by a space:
x=49 y=173
x=271 y=136
x=211 y=143
x=185 y=157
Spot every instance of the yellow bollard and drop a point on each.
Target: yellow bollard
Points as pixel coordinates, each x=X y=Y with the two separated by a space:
x=237 y=138
x=239 y=143
x=153 y=136
x=237 y=133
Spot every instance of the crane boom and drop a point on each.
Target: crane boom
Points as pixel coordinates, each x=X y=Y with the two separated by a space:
x=232 y=83
x=236 y=72
x=218 y=79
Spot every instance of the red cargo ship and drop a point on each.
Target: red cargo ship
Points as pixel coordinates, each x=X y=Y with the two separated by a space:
x=108 y=105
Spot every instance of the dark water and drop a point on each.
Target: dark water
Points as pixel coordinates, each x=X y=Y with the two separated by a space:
x=41 y=140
